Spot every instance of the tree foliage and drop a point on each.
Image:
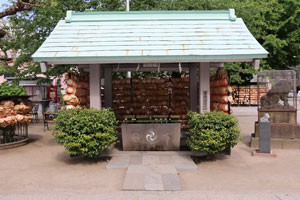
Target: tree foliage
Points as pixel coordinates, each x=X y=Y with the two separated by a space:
x=29 y=29
x=15 y=7
x=19 y=6
x=274 y=23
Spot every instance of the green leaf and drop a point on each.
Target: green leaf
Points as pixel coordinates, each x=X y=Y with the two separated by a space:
x=212 y=132
x=86 y=132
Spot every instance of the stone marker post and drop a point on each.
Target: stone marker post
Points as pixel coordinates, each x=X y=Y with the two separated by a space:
x=265 y=134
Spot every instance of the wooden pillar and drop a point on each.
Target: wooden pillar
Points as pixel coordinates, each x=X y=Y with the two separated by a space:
x=108 y=86
x=193 y=88
x=204 y=88
x=95 y=87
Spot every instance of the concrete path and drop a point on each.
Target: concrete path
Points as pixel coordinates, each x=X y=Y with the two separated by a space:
x=148 y=195
x=152 y=171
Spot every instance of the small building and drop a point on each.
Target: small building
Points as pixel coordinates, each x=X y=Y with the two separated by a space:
x=192 y=41
x=196 y=40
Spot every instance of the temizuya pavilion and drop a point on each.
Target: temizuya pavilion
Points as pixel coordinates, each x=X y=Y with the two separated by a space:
x=195 y=41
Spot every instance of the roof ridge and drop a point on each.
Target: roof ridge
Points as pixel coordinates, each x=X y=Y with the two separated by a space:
x=73 y=16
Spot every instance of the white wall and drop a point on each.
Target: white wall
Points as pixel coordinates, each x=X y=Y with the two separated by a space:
x=204 y=88
x=95 y=89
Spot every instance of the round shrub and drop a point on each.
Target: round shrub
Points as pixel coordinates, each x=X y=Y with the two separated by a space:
x=212 y=132
x=86 y=132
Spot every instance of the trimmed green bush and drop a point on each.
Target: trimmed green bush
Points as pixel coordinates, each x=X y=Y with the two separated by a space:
x=86 y=132
x=212 y=132
x=11 y=90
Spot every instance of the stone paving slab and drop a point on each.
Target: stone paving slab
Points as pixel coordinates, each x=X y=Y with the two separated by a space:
x=164 y=169
x=118 y=162
x=153 y=177
x=152 y=171
x=136 y=160
x=181 y=159
x=150 y=160
x=184 y=163
x=171 y=182
x=154 y=182
x=138 y=169
x=134 y=181
x=165 y=159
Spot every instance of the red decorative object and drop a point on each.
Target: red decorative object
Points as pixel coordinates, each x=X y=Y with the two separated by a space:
x=52 y=93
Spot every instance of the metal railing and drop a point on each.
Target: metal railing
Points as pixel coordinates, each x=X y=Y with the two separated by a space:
x=14 y=134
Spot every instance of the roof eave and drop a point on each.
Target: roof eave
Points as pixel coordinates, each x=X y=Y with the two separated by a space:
x=149 y=59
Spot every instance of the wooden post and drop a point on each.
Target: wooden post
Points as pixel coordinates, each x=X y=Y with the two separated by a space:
x=193 y=88
x=108 y=86
x=204 y=88
x=95 y=87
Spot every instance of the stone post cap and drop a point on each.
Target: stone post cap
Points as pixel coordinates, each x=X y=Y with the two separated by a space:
x=265 y=118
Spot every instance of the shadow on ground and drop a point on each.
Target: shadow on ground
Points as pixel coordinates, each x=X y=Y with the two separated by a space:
x=64 y=157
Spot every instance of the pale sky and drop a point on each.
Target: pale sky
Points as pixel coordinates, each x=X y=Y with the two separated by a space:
x=3 y=2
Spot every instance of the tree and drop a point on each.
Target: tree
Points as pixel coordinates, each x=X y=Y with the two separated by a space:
x=17 y=6
x=274 y=23
x=177 y=4
x=240 y=73
x=109 y=5
x=31 y=27
x=285 y=51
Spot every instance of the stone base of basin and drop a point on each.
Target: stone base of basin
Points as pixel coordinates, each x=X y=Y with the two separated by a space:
x=151 y=137
x=278 y=143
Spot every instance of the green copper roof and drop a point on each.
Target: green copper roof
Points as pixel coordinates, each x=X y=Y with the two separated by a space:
x=149 y=36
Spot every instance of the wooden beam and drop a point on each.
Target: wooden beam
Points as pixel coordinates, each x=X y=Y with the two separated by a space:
x=108 y=86
x=71 y=61
x=193 y=88
x=142 y=68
